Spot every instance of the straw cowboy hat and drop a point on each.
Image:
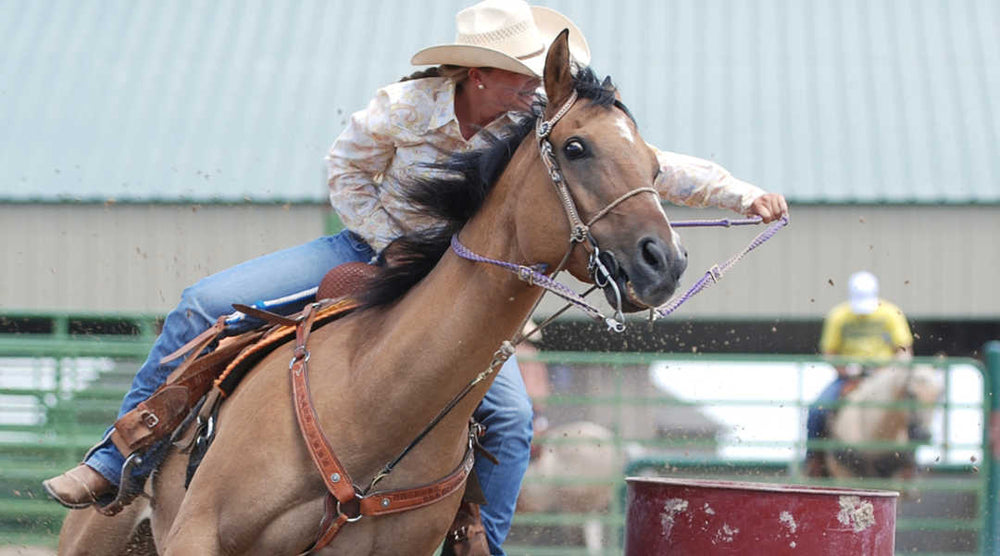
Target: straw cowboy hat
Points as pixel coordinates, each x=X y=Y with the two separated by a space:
x=505 y=34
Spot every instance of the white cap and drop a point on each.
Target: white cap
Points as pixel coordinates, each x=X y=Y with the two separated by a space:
x=862 y=290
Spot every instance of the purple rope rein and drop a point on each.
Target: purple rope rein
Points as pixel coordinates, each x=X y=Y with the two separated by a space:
x=714 y=274
x=534 y=274
x=530 y=274
x=721 y=222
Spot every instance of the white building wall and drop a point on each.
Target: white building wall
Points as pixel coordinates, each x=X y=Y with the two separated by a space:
x=133 y=258
x=934 y=262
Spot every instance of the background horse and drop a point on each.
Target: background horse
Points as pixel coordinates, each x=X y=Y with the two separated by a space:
x=856 y=424
x=432 y=322
x=589 y=450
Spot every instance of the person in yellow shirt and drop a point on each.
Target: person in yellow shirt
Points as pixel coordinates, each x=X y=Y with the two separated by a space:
x=865 y=328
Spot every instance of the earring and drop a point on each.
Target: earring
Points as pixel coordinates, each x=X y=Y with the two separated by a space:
x=480 y=86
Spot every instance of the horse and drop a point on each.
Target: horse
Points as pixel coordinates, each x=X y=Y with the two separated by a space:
x=589 y=450
x=865 y=418
x=431 y=321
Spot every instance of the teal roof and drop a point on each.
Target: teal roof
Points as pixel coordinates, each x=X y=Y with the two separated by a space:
x=232 y=100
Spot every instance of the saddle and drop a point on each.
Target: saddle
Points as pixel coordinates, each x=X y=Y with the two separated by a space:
x=221 y=369
x=209 y=375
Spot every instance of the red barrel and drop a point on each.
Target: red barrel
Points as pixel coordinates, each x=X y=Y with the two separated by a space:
x=697 y=517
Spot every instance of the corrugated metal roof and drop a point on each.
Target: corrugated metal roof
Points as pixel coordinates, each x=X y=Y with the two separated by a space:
x=848 y=101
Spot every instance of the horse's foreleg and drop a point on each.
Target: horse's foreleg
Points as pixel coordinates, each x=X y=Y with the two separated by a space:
x=89 y=532
x=178 y=525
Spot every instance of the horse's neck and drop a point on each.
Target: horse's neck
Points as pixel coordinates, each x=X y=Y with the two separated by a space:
x=446 y=330
x=883 y=386
x=462 y=311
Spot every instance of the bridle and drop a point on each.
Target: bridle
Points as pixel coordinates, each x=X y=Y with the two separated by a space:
x=597 y=266
x=599 y=261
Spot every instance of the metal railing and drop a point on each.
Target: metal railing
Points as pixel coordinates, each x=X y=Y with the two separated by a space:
x=948 y=507
x=58 y=392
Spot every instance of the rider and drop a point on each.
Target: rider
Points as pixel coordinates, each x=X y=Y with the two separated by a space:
x=866 y=328
x=482 y=82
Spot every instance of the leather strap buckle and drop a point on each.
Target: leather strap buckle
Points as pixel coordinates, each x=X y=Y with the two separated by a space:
x=149 y=419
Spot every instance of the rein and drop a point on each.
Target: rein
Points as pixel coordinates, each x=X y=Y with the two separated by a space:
x=534 y=274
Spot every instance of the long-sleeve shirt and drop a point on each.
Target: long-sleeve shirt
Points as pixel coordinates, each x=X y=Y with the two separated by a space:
x=412 y=123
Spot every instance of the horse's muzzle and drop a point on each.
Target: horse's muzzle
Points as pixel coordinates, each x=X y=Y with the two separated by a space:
x=649 y=276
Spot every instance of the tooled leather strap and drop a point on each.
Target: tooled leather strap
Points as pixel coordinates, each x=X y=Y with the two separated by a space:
x=334 y=476
x=338 y=483
x=201 y=341
x=162 y=411
x=392 y=501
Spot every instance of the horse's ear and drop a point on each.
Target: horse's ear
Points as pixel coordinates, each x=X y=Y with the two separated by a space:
x=558 y=79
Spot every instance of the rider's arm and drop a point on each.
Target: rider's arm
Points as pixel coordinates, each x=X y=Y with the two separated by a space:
x=695 y=182
x=355 y=164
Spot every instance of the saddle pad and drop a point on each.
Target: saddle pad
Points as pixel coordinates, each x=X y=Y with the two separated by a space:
x=250 y=356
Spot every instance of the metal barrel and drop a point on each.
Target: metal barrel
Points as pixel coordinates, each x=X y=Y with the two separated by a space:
x=704 y=517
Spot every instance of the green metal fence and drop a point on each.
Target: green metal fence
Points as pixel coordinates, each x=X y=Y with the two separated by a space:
x=948 y=508
x=60 y=388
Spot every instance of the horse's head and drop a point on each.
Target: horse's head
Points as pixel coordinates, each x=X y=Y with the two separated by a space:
x=606 y=173
x=924 y=386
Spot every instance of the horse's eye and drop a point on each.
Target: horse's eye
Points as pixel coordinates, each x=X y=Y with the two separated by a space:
x=575 y=149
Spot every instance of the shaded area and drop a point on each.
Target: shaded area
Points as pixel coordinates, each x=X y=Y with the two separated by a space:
x=957 y=338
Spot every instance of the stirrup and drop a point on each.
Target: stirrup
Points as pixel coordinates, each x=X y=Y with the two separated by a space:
x=127 y=490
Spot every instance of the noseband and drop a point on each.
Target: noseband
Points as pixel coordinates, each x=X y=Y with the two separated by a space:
x=599 y=262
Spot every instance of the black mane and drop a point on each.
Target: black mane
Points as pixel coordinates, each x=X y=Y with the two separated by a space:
x=463 y=181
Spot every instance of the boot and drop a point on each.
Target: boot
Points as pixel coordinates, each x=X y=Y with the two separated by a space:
x=79 y=487
x=466 y=537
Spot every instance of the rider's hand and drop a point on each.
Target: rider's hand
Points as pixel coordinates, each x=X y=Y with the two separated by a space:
x=769 y=207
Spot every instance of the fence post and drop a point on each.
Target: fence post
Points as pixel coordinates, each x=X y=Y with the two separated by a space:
x=991 y=445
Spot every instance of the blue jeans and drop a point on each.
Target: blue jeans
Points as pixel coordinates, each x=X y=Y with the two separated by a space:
x=506 y=409
x=820 y=410
x=506 y=412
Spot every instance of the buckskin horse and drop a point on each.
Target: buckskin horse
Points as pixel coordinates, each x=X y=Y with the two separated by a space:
x=431 y=322
x=877 y=411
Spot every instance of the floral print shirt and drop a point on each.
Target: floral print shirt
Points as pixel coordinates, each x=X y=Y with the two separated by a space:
x=412 y=123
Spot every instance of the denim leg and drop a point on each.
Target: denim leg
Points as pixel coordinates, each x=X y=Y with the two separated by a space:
x=819 y=410
x=268 y=277
x=506 y=413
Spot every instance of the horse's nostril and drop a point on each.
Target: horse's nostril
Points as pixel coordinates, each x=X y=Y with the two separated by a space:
x=652 y=254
